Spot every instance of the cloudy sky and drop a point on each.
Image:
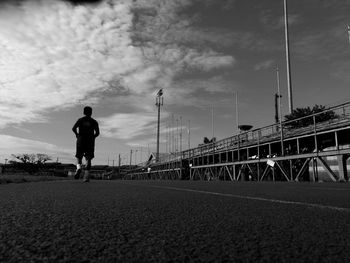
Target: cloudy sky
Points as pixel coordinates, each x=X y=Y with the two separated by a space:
x=58 y=56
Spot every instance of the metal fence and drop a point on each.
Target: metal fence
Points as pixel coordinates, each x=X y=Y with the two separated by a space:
x=333 y=117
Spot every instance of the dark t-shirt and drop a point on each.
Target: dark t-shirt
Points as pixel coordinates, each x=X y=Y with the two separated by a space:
x=87 y=127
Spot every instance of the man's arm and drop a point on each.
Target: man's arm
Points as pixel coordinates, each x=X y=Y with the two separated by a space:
x=97 y=130
x=74 y=129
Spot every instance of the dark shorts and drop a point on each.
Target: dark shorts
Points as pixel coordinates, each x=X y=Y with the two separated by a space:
x=85 y=147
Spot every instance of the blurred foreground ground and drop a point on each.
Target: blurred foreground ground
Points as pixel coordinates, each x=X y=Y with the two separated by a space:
x=23 y=178
x=182 y=221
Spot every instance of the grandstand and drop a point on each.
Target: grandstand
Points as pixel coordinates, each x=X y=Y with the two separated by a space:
x=287 y=151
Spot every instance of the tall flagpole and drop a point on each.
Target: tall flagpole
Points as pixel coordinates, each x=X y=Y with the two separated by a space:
x=159 y=102
x=289 y=80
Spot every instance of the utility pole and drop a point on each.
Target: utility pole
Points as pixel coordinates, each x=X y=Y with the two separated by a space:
x=172 y=133
x=169 y=137
x=276 y=108
x=119 y=163
x=237 y=120
x=130 y=157
x=212 y=121
x=180 y=133
x=289 y=79
x=166 y=137
x=189 y=134
x=141 y=154
x=279 y=96
x=177 y=134
x=349 y=34
x=159 y=103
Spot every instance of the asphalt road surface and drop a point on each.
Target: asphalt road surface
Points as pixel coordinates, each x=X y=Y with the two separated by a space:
x=174 y=221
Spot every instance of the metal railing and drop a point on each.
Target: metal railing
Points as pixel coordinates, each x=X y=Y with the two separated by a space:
x=314 y=123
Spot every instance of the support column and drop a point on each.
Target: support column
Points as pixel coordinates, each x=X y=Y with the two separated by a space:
x=343 y=176
x=234 y=172
x=314 y=170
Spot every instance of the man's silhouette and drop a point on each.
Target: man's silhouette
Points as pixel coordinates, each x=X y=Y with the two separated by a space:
x=88 y=131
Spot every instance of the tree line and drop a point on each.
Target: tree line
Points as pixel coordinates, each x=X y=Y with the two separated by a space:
x=30 y=162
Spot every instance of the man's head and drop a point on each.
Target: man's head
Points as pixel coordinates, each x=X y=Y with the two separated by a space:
x=88 y=111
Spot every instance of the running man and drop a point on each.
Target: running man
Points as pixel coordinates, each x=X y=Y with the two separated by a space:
x=88 y=131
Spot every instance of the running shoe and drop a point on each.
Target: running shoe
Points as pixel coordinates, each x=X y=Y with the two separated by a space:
x=77 y=174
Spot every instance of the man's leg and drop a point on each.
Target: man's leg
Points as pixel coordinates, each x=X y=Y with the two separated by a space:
x=89 y=155
x=87 y=170
x=79 y=168
x=79 y=155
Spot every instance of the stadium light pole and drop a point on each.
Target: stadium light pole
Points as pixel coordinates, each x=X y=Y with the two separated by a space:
x=289 y=80
x=159 y=103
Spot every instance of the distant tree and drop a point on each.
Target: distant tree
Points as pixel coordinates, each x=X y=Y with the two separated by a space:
x=31 y=163
x=206 y=140
x=303 y=112
x=329 y=115
x=42 y=158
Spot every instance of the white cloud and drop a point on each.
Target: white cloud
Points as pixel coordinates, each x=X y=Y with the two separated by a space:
x=142 y=120
x=264 y=65
x=54 y=55
x=129 y=125
x=207 y=60
x=155 y=23
x=199 y=92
